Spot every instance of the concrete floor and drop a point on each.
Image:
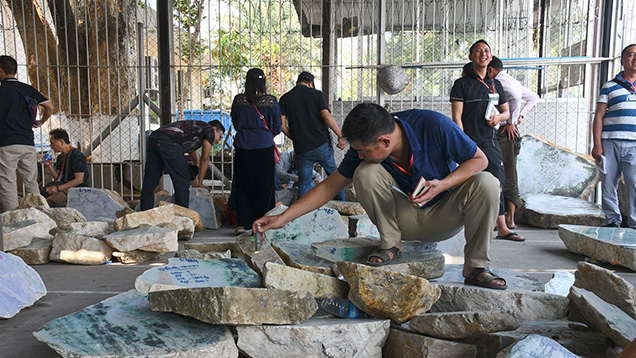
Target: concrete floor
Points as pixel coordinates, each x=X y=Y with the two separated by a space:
x=73 y=287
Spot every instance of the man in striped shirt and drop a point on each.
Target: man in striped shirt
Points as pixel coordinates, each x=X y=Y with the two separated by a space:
x=614 y=132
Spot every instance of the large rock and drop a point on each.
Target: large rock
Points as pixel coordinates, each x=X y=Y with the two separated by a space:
x=97 y=229
x=386 y=294
x=257 y=253
x=576 y=337
x=194 y=254
x=393 y=79
x=614 y=245
x=36 y=253
x=346 y=207
x=150 y=217
x=136 y=257
x=125 y=326
x=417 y=259
x=536 y=346
x=95 y=203
x=184 y=225
x=455 y=325
x=21 y=234
x=316 y=338
x=319 y=225
x=302 y=256
x=605 y=317
x=20 y=285
x=82 y=250
x=65 y=218
x=550 y=211
x=404 y=344
x=33 y=200
x=289 y=278
x=236 y=305
x=185 y=212
x=514 y=278
x=182 y=273
x=149 y=238
x=202 y=202
x=14 y=216
x=610 y=287
x=544 y=168
x=204 y=247
x=528 y=305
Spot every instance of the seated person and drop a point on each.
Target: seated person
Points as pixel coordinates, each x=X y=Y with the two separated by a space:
x=287 y=173
x=70 y=169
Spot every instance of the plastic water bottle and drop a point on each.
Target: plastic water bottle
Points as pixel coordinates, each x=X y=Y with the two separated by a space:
x=342 y=307
x=47 y=157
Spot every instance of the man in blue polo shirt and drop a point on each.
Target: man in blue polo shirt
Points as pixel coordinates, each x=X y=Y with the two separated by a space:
x=614 y=132
x=388 y=156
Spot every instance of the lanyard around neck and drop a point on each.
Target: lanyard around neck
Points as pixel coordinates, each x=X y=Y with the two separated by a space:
x=407 y=172
x=490 y=88
x=64 y=163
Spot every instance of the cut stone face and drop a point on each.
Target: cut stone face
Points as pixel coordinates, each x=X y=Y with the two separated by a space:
x=82 y=250
x=575 y=336
x=96 y=229
x=345 y=249
x=125 y=326
x=183 y=224
x=614 y=245
x=95 y=203
x=403 y=344
x=65 y=217
x=21 y=234
x=136 y=257
x=154 y=216
x=257 y=254
x=361 y=226
x=346 y=207
x=194 y=254
x=204 y=247
x=180 y=273
x=185 y=212
x=20 y=285
x=514 y=279
x=319 y=225
x=536 y=346
x=14 y=216
x=36 y=253
x=550 y=211
x=149 y=238
x=455 y=325
x=316 y=338
x=528 y=305
x=560 y=283
x=610 y=287
x=546 y=169
x=33 y=200
x=289 y=278
x=236 y=305
x=302 y=256
x=607 y=318
x=384 y=294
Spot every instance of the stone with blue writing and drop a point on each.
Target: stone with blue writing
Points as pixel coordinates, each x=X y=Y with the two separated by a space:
x=125 y=326
x=544 y=168
x=96 y=203
x=148 y=238
x=614 y=245
x=20 y=285
x=605 y=317
x=236 y=305
x=302 y=256
x=319 y=225
x=550 y=211
x=361 y=225
x=514 y=278
x=536 y=346
x=386 y=294
x=182 y=272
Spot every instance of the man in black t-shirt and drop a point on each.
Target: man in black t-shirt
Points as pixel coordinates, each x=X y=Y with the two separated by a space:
x=306 y=121
x=167 y=147
x=17 y=148
x=70 y=170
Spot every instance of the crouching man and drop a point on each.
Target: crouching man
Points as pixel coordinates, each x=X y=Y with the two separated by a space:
x=388 y=156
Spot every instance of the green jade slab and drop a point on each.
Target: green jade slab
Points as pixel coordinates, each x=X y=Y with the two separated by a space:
x=319 y=225
x=187 y=273
x=614 y=245
x=125 y=326
x=302 y=256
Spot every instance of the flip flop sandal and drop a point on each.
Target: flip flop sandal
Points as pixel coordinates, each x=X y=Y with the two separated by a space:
x=473 y=279
x=386 y=259
x=509 y=237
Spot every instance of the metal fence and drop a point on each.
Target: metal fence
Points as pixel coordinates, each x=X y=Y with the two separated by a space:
x=98 y=61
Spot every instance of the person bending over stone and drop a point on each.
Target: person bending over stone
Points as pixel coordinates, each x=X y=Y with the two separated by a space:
x=70 y=170
x=391 y=152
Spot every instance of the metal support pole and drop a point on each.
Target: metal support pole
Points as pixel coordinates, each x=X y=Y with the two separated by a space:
x=141 y=80
x=381 y=46
x=165 y=43
x=326 y=49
